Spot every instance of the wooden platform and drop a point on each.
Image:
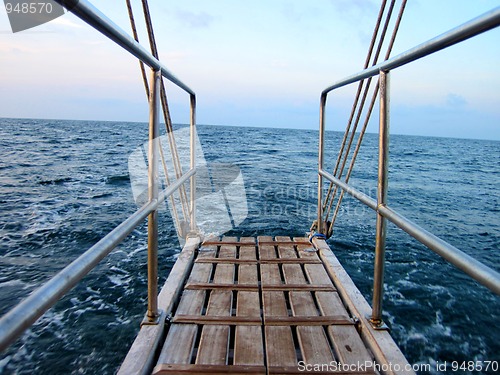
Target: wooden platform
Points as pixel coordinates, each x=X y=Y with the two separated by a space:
x=265 y=306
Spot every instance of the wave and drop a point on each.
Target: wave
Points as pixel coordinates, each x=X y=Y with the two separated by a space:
x=103 y=195
x=118 y=180
x=56 y=181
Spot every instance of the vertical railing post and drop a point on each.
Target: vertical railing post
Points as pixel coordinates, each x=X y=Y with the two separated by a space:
x=192 y=142
x=383 y=163
x=152 y=313
x=321 y=152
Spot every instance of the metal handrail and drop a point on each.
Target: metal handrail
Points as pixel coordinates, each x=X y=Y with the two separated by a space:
x=36 y=304
x=475 y=269
x=22 y=316
x=476 y=26
x=95 y=18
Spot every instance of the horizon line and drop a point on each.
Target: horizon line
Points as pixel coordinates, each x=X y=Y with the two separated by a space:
x=249 y=126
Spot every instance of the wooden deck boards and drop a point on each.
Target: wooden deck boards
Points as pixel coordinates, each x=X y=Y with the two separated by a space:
x=259 y=307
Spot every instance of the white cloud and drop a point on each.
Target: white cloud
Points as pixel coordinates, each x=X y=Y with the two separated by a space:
x=455 y=100
x=196 y=20
x=66 y=22
x=354 y=8
x=173 y=56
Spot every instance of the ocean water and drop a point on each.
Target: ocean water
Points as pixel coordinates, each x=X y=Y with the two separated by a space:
x=65 y=184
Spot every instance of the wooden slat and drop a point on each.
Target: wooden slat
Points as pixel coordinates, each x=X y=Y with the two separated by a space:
x=291 y=260
x=213 y=348
x=279 y=340
x=280 y=347
x=220 y=303
x=274 y=304
x=277 y=243
x=224 y=273
x=222 y=286
x=253 y=261
x=228 y=251
x=247 y=248
x=302 y=304
x=293 y=274
x=218 y=311
x=248 y=275
x=314 y=345
x=208 y=369
x=308 y=256
x=304 y=250
x=248 y=304
x=214 y=341
x=207 y=251
x=266 y=251
x=200 y=273
x=285 y=248
x=299 y=287
x=178 y=346
x=220 y=243
x=226 y=260
x=347 y=345
x=191 y=302
x=217 y=320
x=313 y=342
x=316 y=274
x=248 y=346
x=331 y=304
x=308 y=320
x=270 y=274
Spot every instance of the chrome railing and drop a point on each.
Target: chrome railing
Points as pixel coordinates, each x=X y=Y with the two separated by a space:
x=475 y=269
x=22 y=316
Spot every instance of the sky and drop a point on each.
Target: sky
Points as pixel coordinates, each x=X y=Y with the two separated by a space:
x=257 y=63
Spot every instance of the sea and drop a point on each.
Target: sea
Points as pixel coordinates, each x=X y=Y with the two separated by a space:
x=66 y=184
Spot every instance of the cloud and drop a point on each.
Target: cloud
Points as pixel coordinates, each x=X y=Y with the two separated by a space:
x=63 y=21
x=174 y=56
x=305 y=12
x=8 y=49
x=196 y=20
x=354 y=8
x=362 y=13
x=455 y=100
x=444 y=121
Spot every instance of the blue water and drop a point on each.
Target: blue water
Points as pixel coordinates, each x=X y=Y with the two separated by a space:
x=65 y=184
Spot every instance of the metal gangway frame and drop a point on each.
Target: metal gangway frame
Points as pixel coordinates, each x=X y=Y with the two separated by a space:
x=22 y=316
x=472 y=267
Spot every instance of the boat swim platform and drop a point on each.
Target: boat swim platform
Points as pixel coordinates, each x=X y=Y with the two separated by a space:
x=261 y=306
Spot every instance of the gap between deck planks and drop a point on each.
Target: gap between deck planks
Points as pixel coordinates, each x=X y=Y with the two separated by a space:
x=259 y=307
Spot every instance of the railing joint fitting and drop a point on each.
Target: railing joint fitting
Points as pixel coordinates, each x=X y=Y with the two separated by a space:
x=378 y=324
x=153 y=320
